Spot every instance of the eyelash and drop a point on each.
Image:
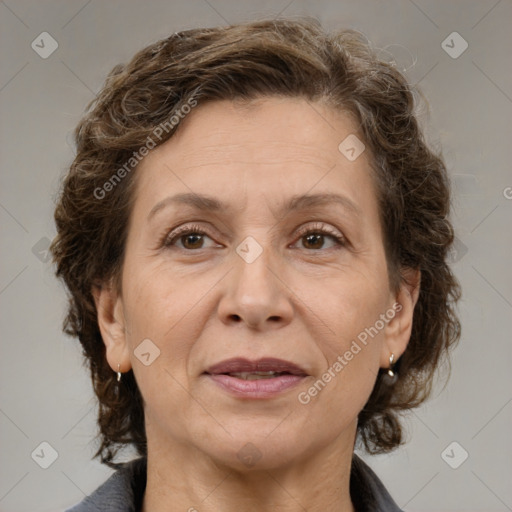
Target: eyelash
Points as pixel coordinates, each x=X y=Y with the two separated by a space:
x=318 y=229
x=321 y=229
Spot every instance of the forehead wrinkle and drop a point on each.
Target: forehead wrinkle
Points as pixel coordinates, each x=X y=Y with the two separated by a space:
x=251 y=162
x=219 y=153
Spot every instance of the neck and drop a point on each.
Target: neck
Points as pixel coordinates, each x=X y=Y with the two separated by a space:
x=181 y=478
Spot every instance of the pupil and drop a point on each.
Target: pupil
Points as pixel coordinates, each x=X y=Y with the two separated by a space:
x=192 y=237
x=312 y=238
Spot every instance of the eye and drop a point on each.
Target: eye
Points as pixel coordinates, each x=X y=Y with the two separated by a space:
x=190 y=237
x=313 y=237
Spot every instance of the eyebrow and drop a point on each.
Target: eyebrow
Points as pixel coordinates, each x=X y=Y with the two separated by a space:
x=298 y=202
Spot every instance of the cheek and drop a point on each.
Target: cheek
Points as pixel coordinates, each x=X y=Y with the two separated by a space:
x=154 y=319
x=351 y=313
x=161 y=325
x=347 y=305
x=158 y=300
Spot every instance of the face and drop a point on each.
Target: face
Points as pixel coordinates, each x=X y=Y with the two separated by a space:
x=268 y=273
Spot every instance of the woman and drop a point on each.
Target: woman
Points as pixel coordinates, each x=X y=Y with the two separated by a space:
x=255 y=238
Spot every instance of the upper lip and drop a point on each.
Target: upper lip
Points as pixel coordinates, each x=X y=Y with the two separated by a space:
x=266 y=364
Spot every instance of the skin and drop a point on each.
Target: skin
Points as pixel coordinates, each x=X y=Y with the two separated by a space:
x=302 y=299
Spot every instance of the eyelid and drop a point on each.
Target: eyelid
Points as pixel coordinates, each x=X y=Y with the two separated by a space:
x=172 y=235
x=321 y=227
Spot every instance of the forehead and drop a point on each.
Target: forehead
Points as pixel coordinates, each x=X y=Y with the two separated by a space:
x=262 y=128
x=270 y=146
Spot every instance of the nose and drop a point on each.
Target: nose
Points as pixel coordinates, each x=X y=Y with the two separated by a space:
x=256 y=295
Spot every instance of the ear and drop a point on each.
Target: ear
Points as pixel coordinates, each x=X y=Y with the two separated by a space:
x=111 y=322
x=398 y=329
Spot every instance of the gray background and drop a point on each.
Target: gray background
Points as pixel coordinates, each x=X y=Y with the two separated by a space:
x=45 y=391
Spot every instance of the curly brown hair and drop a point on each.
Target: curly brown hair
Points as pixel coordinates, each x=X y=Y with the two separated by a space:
x=290 y=58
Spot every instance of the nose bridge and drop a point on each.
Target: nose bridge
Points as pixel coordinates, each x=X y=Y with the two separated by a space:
x=253 y=271
x=255 y=295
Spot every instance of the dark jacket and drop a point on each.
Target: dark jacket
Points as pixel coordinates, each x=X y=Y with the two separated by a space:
x=124 y=490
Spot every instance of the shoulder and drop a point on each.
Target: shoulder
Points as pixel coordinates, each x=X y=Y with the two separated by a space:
x=367 y=491
x=122 y=491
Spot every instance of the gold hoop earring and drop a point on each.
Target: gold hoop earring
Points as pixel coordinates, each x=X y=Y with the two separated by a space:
x=391 y=370
x=118 y=372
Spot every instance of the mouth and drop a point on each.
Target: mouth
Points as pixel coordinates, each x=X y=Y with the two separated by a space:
x=265 y=367
x=255 y=375
x=263 y=378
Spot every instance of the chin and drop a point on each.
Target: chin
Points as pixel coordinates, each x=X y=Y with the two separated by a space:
x=255 y=449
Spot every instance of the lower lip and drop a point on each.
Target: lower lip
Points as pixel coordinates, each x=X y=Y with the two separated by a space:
x=260 y=388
